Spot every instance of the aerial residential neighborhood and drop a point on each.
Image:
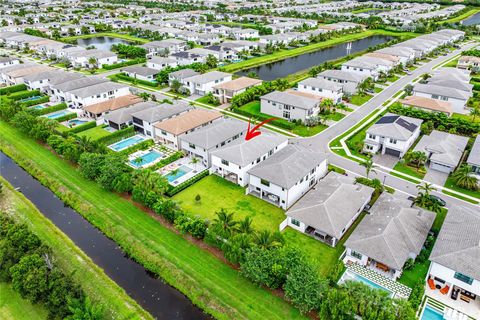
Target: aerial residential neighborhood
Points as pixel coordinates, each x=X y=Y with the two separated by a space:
x=240 y=159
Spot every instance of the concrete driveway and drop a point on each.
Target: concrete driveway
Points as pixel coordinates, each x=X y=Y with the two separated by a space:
x=436 y=177
x=385 y=160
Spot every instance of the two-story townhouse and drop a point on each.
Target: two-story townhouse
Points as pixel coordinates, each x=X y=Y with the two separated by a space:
x=323 y=88
x=103 y=91
x=290 y=105
x=348 y=80
x=227 y=90
x=160 y=63
x=203 y=83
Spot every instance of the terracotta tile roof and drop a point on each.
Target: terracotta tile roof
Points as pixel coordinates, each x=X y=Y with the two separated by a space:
x=384 y=56
x=187 y=121
x=238 y=84
x=427 y=103
x=113 y=104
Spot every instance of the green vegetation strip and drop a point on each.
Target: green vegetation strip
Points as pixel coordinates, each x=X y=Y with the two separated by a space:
x=207 y=281
x=283 y=54
x=106 y=34
x=13 y=307
x=73 y=260
x=462 y=16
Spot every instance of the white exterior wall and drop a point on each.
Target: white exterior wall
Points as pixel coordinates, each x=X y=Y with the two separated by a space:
x=457 y=104
x=205 y=88
x=401 y=146
x=223 y=169
x=101 y=97
x=336 y=96
x=447 y=274
x=160 y=66
x=199 y=152
x=362 y=71
x=277 y=110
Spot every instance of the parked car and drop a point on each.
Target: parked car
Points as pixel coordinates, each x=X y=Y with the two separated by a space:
x=440 y=201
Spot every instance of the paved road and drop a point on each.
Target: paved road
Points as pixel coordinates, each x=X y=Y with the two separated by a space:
x=321 y=141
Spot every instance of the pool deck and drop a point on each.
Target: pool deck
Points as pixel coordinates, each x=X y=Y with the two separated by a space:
x=196 y=169
x=471 y=309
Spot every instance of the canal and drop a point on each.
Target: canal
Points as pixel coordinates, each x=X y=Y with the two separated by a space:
x=101 y=43
x=158 y=298
x=283 y=68
x=470 y=21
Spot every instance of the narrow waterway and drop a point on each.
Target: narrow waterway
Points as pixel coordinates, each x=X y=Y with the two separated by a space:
x=472 y=20
x=101 y=43
x=158 y=298
x=283 y=68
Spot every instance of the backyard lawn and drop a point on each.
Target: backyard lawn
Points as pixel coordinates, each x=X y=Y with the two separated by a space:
x=13 y=307
x=94 y=133
x=207 y=281
x=217 y=193
x=466 y=117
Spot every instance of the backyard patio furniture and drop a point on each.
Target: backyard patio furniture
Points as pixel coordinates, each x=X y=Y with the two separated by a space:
x=445 y=290
x=431 y=284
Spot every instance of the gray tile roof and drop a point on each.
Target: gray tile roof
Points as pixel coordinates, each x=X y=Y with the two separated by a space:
x=325 y=207
x=392 y=231
x=288 y=166
x=244 y=152
x=124 y=115
x=158 y=112
x=395 y=126
x=143 y=71
x=474 y=156
x=208 y=77
x=441 y=91
x=342 y=75
x=321 y=83
x=291 y=99
x=182 y=74
x=79 y=83
x=445 y=147
x=98 y=88
x=458 y=244
x=210 y=136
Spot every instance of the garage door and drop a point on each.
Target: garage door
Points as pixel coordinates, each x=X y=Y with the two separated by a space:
x=440 y=167
x=392 y=152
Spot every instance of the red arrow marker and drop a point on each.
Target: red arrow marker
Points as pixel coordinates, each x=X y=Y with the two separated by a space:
x=253 y=132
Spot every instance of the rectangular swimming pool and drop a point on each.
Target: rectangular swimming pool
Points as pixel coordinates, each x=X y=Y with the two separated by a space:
x=126 y=143
x=175 y=174
x=30 y=99
x=58 y=114
x=38 y=107
x=430 y=313
x=76 y=122
x=370 y=283
x=146 y=159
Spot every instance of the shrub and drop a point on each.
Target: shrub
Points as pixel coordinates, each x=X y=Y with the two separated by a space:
x=117 y=136
x=66 y=117
x=83 y=127
x=57 y=107
x=139 y=146
x=162 y=163
x=12 y=89
x=417 y=293
x=409 y=264
x=23 y=95
x=122 y=76
x=167 y=208
x=192 y=225
x=34 y=102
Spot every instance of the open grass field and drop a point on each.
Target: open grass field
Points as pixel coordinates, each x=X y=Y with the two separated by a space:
x=207 y=281
x=106 y=34
x=98 y=286
x=283 y=54
x=13 y=307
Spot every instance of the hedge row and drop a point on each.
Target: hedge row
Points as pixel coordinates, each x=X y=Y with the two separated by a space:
x=83 y=127
x=12 y=89
x=279 y=123
x=476 y=86
x=174 y=190
x=57 y=107
x=139 y=146
x=34 y=102
x=122 y=76
x=66 y=117
x=117 y=136
x=162 y=163
x=124 y=64
x=23 y=95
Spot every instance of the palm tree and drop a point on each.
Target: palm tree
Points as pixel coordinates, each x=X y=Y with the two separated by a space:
x=225 y=222
x=85 y=143
x=266 y=240
x=475 y=112
x=92 y=61
x=464 y=179
x=195 y=161
x=245 y=226
x=426 y=188
x=369 y=166
x=327 y=104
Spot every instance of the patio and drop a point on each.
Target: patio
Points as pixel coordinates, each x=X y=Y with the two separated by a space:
x=471 y=309
x=181 y=170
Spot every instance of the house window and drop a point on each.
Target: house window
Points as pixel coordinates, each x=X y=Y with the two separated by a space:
x=164 y=132
x=371 y=136
x=393 y=141
x=225 y=162
x=265 y=182
x=191 y=145
x=356 y=255
x=286 y=114
x=295 y=222
x=463 y=278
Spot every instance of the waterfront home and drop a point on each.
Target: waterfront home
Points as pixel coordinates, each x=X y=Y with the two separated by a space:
x=241 y=45
x=348 y=80
x=389 y=235
x=203 y=83
x=233 y=161
x=122 y=118
x=98 y=110
x=468 y=62
x=404 y=54
x=164 y=47
x=202 y=142
x=170 y=131
x=323 y=88
x=324 y=213
x=160 y=63
x=473 y=159
x=444 y=150
x=100 y=92
x=392 y=134
x=222 y=52
x=427 y=104
x=102 y=57
x=144 y=120
x=453 y=277
x=290 y=105
x=243 y=34
x=227 y=90
x=180 y=75
x=363 y=67
x=287 y=175
x=140 y=73
x=59 y=78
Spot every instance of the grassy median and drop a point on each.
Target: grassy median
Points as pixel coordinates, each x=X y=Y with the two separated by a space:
x=207 y=281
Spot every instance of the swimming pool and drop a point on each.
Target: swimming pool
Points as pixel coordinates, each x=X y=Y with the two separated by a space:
x=126 y=143
x=146 y=159
x=30 y=98
x=370 y=283
x=175 y=174
x=39 y=107
x=76 y=122
x=430 y=313
x=57 y=114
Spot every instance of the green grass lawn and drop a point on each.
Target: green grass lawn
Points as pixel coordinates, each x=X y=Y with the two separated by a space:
x=337 y=116
x=360 y=98
x=13 y=307
x=411 y=171
x=465 y=117
x=217 y=193
x=283 y=54
x=377 y=89
x=205 y=100
x=207 y=281
x=393 y=78
x=94 y=133
x=97 y=285
x=452 y=63
x=107 y=34
x=451 y=185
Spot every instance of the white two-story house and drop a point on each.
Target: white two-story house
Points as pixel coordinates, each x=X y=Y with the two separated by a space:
x=323 y=88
